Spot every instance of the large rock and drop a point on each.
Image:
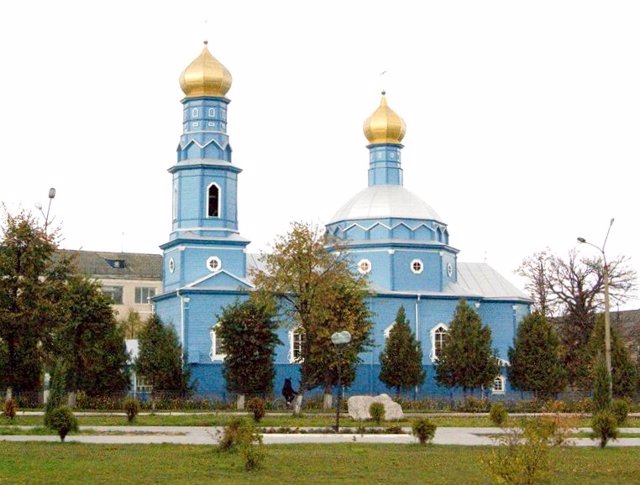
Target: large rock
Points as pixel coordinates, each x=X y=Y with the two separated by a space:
x=359 y=407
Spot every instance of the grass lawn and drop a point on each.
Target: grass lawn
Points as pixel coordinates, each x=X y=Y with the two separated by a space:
x=222 y=419
x=309 y=463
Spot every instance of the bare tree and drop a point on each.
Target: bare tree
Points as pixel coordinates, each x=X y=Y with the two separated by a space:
x=572 y=291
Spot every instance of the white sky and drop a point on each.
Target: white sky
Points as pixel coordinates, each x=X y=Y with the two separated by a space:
x=523 y=118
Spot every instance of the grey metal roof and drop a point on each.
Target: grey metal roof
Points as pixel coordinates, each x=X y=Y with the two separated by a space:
x=482 y=279
x=117 y=265
x=385 y=201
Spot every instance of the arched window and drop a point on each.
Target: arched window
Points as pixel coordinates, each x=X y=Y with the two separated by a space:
x=296 y=344
x=499 y=385
x=438 y=339
x=217 y=347
x=213 y=201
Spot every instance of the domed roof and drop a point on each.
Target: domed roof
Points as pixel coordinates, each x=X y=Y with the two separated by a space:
x=384 y=125
x=384 y=202
x=205 y=76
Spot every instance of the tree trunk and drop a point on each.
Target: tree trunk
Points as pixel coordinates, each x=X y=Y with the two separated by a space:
x=9 y=393
x=297 y=403
x=72 y=399
x=327 y=400
x=240 y=402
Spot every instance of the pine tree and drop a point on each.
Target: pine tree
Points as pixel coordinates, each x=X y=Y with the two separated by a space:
x=248 y=334
x=623 y=370
x=466 y=359
x=401 y=359
x=160 y=359
x=601 y=382
x=536 y=359
x=57 y=391
x=90 y=342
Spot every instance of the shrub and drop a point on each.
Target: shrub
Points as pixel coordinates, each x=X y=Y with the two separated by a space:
x=229 y=439
x=620 y=409
x=376 y=410
x=241 y=435
x=10 y=408
x=258 y=407
x=132 y=408
x=521 y=459
x=424 y=430
x=555 y=430
x=56 y=392
x=601 y=386
x=498 y=414
x=63 y=421
x=605 y=427
x=474 y=405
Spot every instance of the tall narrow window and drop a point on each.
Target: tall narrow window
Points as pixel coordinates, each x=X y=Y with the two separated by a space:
x=213 y=206
x=438 y=339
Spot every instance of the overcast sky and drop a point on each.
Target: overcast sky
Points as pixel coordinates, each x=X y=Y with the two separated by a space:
x=523 y=118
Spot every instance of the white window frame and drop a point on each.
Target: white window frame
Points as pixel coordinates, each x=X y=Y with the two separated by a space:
x=194 y=113
x=441 y=326
x=364 y=266
x=293 y=344
x=214 y=261
x=502 y=385
x=417 y=261
x=212 y=112
x=219 y=201
x=215 y=356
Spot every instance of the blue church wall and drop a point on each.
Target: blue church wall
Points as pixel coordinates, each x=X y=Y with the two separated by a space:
x=406 y=280
x=195 y=260
x=501 y=319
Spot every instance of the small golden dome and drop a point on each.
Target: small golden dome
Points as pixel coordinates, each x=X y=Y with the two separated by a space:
x=205 y=76
x=384 y=125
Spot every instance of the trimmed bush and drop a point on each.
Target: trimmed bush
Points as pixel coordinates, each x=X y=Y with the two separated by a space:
x=376 y=411
x=424 y=430
x=132 y=408
x=605 y=427
x=258 y=407
x=63 y=421
x=10 y=409
x=474 y=405
x=620 y=409
x=498 y=414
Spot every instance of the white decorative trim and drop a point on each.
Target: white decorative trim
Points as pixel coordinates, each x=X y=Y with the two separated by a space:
x=172 y=265
x=215 y=357
x=219 y=208
x=292 y=358
x=364 y=266
x=222 y=145
x=414 y=263
x=432 y=334
x=391 y=228
x=387 y=331
x=214 y=264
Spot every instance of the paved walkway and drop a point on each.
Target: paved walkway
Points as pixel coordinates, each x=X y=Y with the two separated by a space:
x=200 y=435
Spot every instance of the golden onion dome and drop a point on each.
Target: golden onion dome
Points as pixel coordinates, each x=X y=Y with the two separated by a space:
x=205 y=76
x=384 y=125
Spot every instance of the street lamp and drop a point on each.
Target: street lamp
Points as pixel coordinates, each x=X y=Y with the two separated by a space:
x=339 y=339
x=607 y=321
x=52 y=195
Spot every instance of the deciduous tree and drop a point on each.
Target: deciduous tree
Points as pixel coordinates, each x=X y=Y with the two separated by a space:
x=401 y=359
x=315 y=292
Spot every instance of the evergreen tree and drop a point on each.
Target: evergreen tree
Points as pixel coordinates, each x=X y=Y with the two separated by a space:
x=248 y=334
x=601 y=382
x=90 y=342
x=401 y=359
x=623 y=370
x=466 y=359
x=57 y=391
x=160 y=359
x=536 y=363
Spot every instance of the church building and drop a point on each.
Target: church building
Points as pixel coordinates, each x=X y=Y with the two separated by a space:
x=389 y=233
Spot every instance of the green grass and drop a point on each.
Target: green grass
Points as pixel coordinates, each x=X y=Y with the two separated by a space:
x=52 y=463
x=285 y=420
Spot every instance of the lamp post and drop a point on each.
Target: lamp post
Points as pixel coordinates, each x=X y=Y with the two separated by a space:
x=339 y=339
x=52 y=195
x=607 y=321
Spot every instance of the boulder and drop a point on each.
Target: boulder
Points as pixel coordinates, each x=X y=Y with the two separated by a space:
x=359 y=407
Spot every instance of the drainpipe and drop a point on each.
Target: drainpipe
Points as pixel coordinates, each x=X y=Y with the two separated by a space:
x=183 y=300
x=417 y=332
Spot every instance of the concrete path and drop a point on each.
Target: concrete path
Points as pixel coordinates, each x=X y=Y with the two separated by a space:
x=199 y=435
